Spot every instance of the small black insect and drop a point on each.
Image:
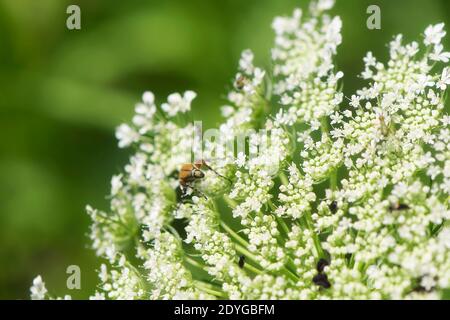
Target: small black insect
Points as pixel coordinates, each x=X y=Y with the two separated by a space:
x=241 y=261
x=179 y=195
x=399 y=207
x=321 y=280
x=419 y=289
x=333 y=206
x=321 y=264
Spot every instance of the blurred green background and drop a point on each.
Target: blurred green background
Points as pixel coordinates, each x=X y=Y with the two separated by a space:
x=63 y=92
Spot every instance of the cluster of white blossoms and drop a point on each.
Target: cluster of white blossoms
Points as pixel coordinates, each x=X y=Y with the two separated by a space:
x=332 y=198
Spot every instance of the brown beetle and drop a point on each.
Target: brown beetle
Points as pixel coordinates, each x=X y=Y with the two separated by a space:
x=191 y=172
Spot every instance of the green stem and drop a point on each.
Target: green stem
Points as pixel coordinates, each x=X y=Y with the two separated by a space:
x=271 y=205
x=250 y=255
x=351 y=263
x=283 y=178
x=281 y=222
x=291 y=263
x=290 y=274
x=233 y=204
x=174 y=232
x=241 y=248
x=245 y=252
x=253 y=269
x=283 y=225
x=209 y=289
x=119 y=222
x=310 y=224
x=233 y=234
x=324 y=126
x=333 y=180
x=194 y=262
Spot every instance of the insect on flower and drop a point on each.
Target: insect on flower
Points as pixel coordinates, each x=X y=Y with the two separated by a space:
x=240 y=82
x=398 y=207
x=191 y=172
x=333 y=206
x=321 y=264
x=241 y=261
x=321 y=280
x=384 y=127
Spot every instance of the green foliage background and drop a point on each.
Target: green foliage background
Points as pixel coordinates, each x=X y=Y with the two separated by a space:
x=63 y=92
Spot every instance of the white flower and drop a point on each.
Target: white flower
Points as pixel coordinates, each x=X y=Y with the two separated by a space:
x=178 y=104
x=258 y=75
x=116 y=184
x=355 y=101
x=38 y=290
x=126 y=135
x=240 y=161
x=336 y=118
x=246 y=62
x=444 y=81
x=321 y=5
x=434 y=34
x=315 y=125
x=370 y=60
x=148 y=97
x=446 y=120
x=98 y=296
x=438 y=55
x=227 y=111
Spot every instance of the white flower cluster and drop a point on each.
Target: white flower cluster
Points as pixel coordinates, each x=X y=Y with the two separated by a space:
x=122 y=282
x=38 y=289
x=303 y=56
x=169 y=278
x=330 y=200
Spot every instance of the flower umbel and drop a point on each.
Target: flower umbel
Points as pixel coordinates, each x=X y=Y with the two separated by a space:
x=347 y=198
